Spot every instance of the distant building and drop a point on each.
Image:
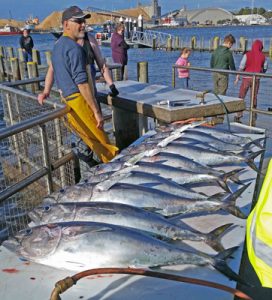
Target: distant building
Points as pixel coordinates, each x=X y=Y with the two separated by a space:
x=154 y=10
x=203 y=16
x=253 y=19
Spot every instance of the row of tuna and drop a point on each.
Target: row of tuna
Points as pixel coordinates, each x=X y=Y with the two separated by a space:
x=121 y=215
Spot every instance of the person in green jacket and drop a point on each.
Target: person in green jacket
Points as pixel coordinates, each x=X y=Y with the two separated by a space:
x=222 y=59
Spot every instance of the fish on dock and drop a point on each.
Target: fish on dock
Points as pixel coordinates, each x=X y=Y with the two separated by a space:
x=124 y=215
x=80 y=246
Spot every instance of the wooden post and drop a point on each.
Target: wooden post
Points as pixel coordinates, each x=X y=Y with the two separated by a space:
x=216 y=40
x=20 y=54
x=116 y=74
x=7 y=66
x=32 y=70
x=22 y=68
x=2 y=52
x=15 y=69
x=154 y=42
x=193 y=42
x=270 y=49
x=2 y=69
x=169 y=44
x=10 y=52
x=177 y=45
x=48 y=55
x=243 y=44
x=36 y=56
x=142 y=71
x=142 y=76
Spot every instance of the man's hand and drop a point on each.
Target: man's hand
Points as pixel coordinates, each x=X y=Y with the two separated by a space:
x=236 y=79
x=114 y=92
x=42 y=97
x=99 y=119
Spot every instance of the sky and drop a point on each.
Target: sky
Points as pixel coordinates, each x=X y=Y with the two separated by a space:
x=22 y=9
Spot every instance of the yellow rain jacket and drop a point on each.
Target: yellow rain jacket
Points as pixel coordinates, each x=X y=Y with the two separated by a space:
x=82 y=121
x=259 y=232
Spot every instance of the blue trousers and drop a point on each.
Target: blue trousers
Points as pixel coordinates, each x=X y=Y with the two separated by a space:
x=27 y=56
x=185 y=82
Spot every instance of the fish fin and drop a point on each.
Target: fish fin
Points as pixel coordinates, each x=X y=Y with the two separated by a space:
x=214 y=237
x=223 y=185
x=250 y=160
x=232 y=175
x=217 y=196
x=257 y=142
x=220 y=265
x=229 y=204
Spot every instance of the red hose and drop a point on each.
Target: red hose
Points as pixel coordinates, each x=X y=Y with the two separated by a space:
x=62 y=285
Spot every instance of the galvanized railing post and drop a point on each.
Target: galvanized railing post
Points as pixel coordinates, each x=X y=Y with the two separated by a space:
x=14 y=140
x=60 y=154
x=252 y=118
x=46 y=157
x=173 y=76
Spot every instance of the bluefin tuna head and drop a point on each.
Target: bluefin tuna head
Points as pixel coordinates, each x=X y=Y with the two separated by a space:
x=34 y=243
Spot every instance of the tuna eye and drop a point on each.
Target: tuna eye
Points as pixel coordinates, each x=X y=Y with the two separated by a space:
x=47 y=208
x=28 y=231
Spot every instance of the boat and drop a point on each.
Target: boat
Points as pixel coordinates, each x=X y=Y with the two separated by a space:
x=9 y=30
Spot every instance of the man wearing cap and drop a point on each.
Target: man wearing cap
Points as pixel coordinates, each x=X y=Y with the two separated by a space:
x=69 y=64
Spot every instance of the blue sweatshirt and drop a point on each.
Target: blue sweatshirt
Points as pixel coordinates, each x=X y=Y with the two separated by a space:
x=69 y=64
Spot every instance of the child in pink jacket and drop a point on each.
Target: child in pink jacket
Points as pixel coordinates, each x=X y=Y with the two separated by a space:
x=183 y=74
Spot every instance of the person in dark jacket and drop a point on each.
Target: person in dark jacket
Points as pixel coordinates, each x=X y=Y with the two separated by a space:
x=253 y=61
x=119 y=48
x=26 y=43
x=222 y=59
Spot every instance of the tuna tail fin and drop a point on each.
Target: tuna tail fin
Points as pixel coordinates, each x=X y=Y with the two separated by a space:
x=218 y=196
x=223 y=185
x=229 y=204
x=257 y=142
x=232 y=175
x=220 y=265
x=247 y=147
x=213 y=238
x=250 y=160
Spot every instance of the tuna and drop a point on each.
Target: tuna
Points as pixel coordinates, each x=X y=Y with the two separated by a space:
x=123 y=215
x=80 y=246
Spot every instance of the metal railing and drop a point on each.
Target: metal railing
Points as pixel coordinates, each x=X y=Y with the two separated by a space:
x=197 y=83
x=157 y=39
x=151 y=38
x=37 y=155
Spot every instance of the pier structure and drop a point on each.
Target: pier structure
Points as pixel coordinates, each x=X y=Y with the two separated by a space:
x=162 y=40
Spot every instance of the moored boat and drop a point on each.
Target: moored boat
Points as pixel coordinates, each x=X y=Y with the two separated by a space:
x=9 y=30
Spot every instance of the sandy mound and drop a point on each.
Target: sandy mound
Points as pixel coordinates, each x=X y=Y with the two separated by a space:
x=54 y=20
x=11 y=22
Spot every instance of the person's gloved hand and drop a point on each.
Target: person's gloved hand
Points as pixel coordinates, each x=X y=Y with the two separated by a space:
x=114 y=92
